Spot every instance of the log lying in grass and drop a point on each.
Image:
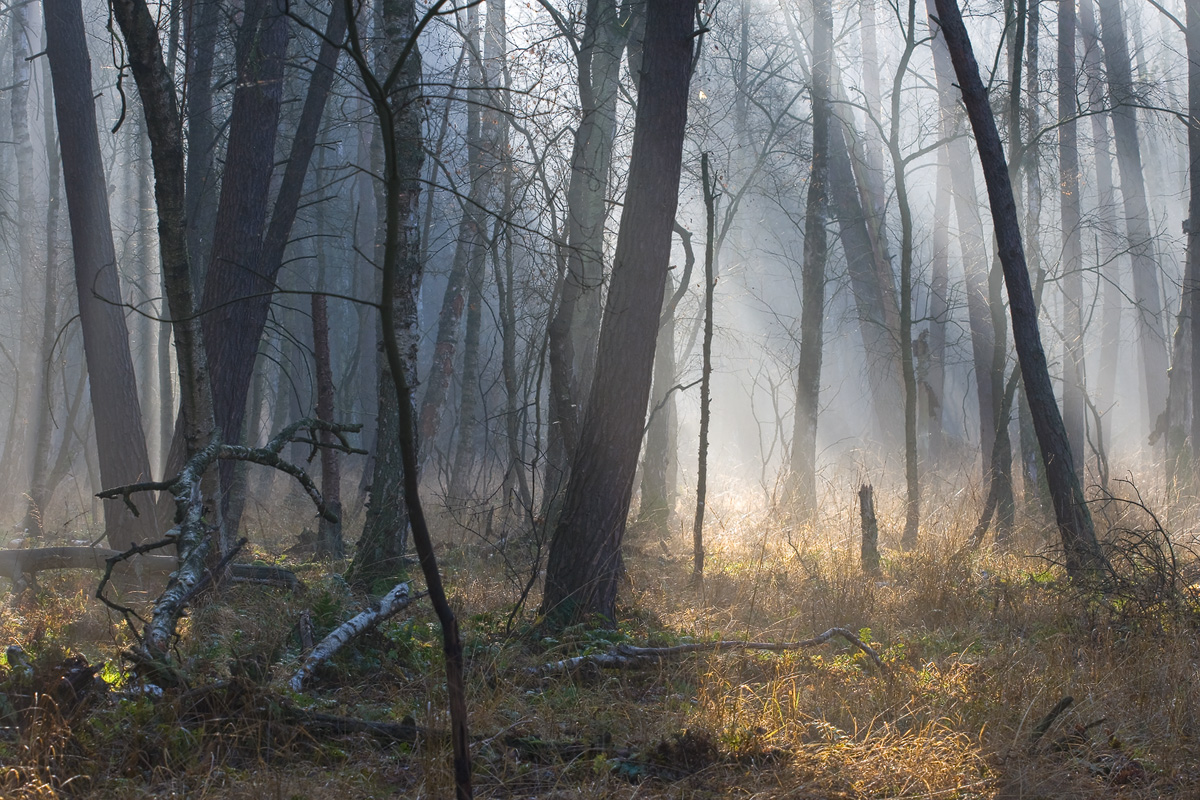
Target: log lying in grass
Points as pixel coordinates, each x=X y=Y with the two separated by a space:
x=22 y=566
x=391 y=603
x=627 y=656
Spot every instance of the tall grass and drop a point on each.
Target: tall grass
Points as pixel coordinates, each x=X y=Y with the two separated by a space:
x=979 y=646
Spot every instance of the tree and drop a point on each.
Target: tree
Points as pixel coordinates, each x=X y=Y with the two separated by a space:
x=1192 y=273
x=584 y=563
x=395 y=101
x=483 y=157
x=1152 y=339
x=120 y=443
x=1084 y=560
x=43 y=479
x=808 y=371
x=972 y=244
x=377 y=560
x=156 y=88
x=1072 y=256
x=573 y=329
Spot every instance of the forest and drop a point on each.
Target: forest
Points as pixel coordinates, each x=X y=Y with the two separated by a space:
x=599 y=398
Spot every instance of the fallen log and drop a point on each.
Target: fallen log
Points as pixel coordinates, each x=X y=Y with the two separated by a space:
x=627 y=656
x=22 y=566
x=390 y=604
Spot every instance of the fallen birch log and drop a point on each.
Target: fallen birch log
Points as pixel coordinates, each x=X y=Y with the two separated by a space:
x=627 y=656
x=390 y=604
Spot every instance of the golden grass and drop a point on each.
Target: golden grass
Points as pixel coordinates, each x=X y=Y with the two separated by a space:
x=979 y=647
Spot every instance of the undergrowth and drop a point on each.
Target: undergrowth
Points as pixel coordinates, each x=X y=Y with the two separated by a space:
x=979 y=646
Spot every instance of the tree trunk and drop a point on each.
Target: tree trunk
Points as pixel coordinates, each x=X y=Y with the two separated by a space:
x=658 y=485
x=156 y=89
x=851 y=185
x=1109 y=256
x=574 y=328
x=462 y=471
x=971 y=241
x=939 y=308
x=201 y=23
x=396 y=102
x=876 y=327
x=1072 y=253
x=248 y=253
x=121 y=447
x=710 y=217
x=1192 y=271
x=912 y=505
x=869 y=551
x=15 y=460
x=329 y=538
x=584 y=563
x=1084 y=559
x=1152 y=339
x=812 y=319
x=377 y=559
x=40 y=485
x=482 y=158
x=234 y=285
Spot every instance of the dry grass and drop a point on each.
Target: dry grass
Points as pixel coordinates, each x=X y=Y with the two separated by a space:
x=979 y=647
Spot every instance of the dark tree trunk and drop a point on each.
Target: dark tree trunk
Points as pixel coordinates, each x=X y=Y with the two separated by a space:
x=201 y=23
x=710 y=219
x=869 y=551
x=812 y=319
x=939 y=308
x=157 y=91
x=235 y=285
x=1084 y=559
x=396 y=102
x=657 y=493
x=912 y=505
x=121 y=447
x=877 y=326
x=573 y=329
x=329 y=538
x=584 y=563
x=248 y=253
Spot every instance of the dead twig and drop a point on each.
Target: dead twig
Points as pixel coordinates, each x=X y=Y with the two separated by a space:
x=1040 y=729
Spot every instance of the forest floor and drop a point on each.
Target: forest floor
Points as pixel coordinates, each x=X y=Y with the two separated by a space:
x=979 y=646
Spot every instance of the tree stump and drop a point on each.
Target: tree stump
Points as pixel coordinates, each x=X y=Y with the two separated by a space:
x=870 y=530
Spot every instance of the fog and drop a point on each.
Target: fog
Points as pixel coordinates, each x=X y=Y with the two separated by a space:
x=499 y=113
